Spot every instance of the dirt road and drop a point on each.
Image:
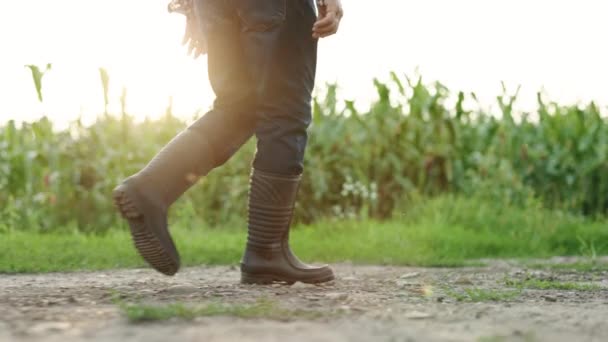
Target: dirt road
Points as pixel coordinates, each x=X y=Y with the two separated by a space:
x=366 y=303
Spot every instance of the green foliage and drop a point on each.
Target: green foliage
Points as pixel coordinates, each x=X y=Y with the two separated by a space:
x=483 y=295
x=150 y=313
x=416 y=141
x=139 y=313
x=547 y=284
x=524 y=337
x=445 y=231
x=37 y=75
x=105 y=84
x=591 y=266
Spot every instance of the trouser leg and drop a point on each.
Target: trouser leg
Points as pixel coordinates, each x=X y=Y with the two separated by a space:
x=262 y=64
x=287 y=54
x=284 y=54
x=144 y=199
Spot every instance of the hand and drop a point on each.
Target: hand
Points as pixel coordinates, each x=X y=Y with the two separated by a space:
x=328 y=22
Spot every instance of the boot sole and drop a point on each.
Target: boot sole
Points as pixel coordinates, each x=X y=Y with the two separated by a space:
x=266 y=279
x=145 y=241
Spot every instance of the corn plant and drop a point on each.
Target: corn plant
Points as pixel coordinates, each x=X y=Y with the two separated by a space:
x=416 y=139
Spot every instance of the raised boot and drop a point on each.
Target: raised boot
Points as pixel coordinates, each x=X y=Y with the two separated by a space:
x=144 y=198
x=267 y=257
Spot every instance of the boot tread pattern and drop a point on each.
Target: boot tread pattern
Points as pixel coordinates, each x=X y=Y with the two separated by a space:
x=146 y=243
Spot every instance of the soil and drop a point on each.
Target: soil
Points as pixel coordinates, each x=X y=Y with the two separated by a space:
x=365 y=303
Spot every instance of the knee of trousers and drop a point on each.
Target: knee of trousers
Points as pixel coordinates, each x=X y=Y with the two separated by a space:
x=281 y=154
x=226 y=132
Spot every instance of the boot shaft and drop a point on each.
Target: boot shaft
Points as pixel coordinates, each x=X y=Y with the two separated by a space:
x=271 y=206
x=178 y=166
x=268 y=257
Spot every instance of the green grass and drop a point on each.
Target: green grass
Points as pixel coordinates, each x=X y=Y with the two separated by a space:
x=483 y=295
x=138 y=313
x=524 y=337
x=543 y=284
x=583 y=266
x=446 y=231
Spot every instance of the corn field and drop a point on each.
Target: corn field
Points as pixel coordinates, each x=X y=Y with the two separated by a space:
x=417 y=140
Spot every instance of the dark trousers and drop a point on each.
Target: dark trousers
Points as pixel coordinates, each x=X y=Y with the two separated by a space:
x=262 y=63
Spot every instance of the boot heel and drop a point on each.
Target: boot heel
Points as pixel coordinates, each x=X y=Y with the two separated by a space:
x=123 y=203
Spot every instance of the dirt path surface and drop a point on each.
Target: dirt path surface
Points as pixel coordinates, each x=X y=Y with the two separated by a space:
x=365 y=303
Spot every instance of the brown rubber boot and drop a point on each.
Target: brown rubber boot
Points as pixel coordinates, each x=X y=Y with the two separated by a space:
x=144 y=198
x=267 y=257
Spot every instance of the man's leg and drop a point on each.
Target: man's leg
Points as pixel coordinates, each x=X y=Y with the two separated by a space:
x=286 y=54
x=232 y=121
x=144 y=199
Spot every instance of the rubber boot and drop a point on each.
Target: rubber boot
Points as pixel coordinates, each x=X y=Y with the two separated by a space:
x=144 y=198
x=267 y=257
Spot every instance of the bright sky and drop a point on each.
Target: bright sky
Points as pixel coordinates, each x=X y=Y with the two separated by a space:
x=468 y=45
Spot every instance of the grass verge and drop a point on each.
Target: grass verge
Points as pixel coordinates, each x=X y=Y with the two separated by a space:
x=524 y=337
x=543 y=284
x=590 y=266
x=446 y=231
x=140 y=313
x=483 y=295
